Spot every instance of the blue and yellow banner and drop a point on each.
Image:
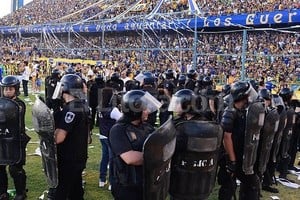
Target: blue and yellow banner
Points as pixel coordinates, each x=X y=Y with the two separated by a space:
x=259 y=19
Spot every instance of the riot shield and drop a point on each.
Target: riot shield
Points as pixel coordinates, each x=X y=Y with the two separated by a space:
x=10 y=128
x=194 y=163
x=287 y=132
x=158 y=150
x=254 y=122
x=266 y=139
x=278 y=136
x=43 y=123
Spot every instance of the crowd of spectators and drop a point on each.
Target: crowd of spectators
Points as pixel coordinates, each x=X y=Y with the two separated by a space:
x=44 y=11
x=219 y=54
x=217 y=7
x=58 y=11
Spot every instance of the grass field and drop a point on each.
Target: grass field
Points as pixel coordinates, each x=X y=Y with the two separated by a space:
x=36 y=182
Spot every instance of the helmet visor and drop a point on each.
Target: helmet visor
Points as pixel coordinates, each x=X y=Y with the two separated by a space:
x=140 y=78
x=175 y=104
x=252 y=94
x=58 y=91
x=150 y=102
x=277 y=101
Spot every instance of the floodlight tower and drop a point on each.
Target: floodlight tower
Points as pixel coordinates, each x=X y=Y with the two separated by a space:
x=16 y=4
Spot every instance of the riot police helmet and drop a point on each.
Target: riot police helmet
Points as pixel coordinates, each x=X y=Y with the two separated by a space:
x=132 y=85
x=135 y=102
x=207 y=81
x=70 y=70
x=264 y=94
x=55 y=73
x=169 y=74
x=185 y=101
x=286 y=94
x=149 y=79
x=226 y=89
x=70 y=84
x=115 y=76
x=181 y=79
x=11 y=81
x=192 y=74
x=242 y=90
x=200 y=80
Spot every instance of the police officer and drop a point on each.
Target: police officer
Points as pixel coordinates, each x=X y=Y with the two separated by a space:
x=234 y=124
x=126 y=139
x=166 y=90
x=227 y=98
x=181 y=81
x=115 y=82
x=186 y=105
x=295 y=136
x=284 y=156
x=50 y=84
x=264 y=160
x=192 y=79
x=71 y=137
x=149 y=85
x=210 y=95
x=94 y=86
x=193 y=169
x=10 y=88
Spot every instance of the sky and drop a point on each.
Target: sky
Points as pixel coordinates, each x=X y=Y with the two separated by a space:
x=6 y=6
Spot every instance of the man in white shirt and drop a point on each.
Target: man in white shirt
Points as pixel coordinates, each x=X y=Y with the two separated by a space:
x=25 y=78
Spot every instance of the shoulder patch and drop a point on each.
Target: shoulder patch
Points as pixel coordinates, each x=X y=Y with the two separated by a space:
x=69 y=117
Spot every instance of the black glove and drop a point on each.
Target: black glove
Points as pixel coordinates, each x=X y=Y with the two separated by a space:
x=231 y=166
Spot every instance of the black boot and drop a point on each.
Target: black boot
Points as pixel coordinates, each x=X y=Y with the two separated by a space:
x=19 y=177
x=270 y=189
x=20 y=197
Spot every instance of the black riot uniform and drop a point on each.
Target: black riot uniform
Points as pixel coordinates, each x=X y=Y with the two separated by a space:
x=287 y=134
x=149 y=85
x=115 y=82
x=181 y=82
x=50 y=84
x=209 y=96
x=127 y=137
x=296 y=136
x=193 y=167
x=234 y=126
x=269 y=175
x=71 y=135
x=94 y=86
x=264 y=163
x=16 y=170
x=192 y=80
x=166 y=89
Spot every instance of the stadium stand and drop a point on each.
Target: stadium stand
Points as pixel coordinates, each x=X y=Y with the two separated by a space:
x=218 y=53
